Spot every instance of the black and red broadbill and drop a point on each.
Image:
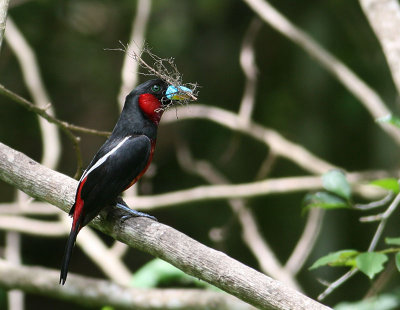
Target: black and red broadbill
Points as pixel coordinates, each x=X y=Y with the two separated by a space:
x=123 y=158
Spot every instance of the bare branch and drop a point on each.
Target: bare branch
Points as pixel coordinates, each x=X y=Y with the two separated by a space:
x=35 y=208
x=31 y=226
x=3 y=18
x=384 y=18
x=96 y=293
x=155 y=238
x=31 y=73
x=50 y=118
x=245 y=190
x=247 y=62
x=13 y=254
x=385 y=216
x=129 y=72
x=365 y=94
x=279 y=145
x=251 y=235
x=337 y=283
x=306 y=242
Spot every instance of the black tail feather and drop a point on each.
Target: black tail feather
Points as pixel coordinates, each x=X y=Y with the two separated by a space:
x=68 y=252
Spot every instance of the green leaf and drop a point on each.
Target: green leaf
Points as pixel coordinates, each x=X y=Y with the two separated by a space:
x=154 y=272
x=390 y=184
x=397 y=257
x=371 y=263
x=381 y=302
x=390 y=119
x=335 y=182
x=324 y=200
x=339 y=258
x=392 y=241
x=158 y=271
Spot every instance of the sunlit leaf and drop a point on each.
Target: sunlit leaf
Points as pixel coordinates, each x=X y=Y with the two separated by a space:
x=340 y=258
x=335 y=182
x=371 y=263
x=390 y=184
x=397 y=257
x=390 y=119
x=154 y=272
x=324 y=200
x=392 y=241
x=381 y=302
x=158 y=271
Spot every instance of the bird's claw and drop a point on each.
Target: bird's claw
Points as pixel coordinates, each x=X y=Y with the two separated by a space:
x=134 y=213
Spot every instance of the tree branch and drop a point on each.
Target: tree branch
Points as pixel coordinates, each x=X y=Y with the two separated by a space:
x=155 y=238
x=96 y=293
x=50 y=118
x=384 y=18
x=3 y=18
x=365 y=94
x=130 y=68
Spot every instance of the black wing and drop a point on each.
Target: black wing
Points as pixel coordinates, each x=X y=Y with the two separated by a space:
x=112 y=173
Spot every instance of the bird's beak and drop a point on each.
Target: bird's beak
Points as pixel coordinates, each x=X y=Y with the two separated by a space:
x=179 y=93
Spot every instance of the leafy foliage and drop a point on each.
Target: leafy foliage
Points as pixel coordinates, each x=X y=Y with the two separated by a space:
x=389 y=301
x=335 y=181
x=339 y=258
x=158 y=272
x=390 y=184
x=390 y=119
x=371 y=263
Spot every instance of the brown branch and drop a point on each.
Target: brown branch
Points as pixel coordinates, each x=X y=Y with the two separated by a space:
x=155 y=238
x=384 y=18
x=3 y=18
x=356 y=86
x=96 y=293
x=129 y=71
x=51 y=119
x=251 y=235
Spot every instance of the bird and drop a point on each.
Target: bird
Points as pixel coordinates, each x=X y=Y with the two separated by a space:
x=123 y=159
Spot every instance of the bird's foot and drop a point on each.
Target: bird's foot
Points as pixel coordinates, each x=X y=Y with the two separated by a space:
x=134 y=213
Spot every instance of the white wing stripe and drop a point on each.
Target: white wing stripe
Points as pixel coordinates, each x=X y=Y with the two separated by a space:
x=104 y=158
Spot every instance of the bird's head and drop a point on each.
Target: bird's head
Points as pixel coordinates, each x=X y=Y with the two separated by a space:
x=155 y=95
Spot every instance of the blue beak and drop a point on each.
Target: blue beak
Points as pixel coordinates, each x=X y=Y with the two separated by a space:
x=178 y=93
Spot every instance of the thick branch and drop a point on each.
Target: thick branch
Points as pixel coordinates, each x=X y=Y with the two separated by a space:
x=157 y=239
x=96 y=293
x=3 y=18
x=384 y=18
x=130 y=72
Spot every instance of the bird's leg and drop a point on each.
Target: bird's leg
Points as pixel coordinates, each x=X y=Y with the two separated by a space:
x=122 y=205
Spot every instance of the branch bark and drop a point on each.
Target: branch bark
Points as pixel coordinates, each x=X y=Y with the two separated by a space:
x=384 y=18
x=3 y=18
x=157 y=239
x=96 y=293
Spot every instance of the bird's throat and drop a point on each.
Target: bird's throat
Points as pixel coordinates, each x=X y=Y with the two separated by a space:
x=150 y=106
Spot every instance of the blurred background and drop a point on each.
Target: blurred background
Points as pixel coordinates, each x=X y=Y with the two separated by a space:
x=295 y=96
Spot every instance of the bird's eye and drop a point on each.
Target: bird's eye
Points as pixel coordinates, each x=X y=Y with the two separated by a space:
x=156 y=88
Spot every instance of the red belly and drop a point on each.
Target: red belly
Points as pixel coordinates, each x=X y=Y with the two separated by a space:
x=153 y=145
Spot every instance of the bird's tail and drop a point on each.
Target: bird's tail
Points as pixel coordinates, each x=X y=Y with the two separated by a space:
x=68 y=251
